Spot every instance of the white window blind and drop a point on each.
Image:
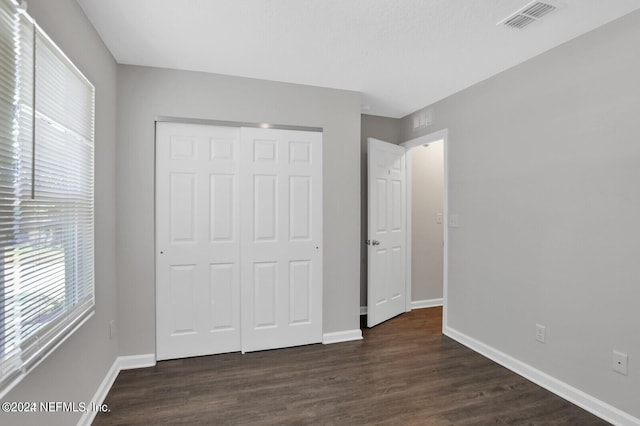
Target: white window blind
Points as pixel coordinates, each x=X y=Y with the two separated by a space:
x=46 y=196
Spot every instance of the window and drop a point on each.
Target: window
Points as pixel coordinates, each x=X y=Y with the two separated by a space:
x=46 y=195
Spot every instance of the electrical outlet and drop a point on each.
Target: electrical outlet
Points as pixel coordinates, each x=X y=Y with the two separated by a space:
x=454 y=221
x=112 y=329
x=541 y=333
x=620 y=362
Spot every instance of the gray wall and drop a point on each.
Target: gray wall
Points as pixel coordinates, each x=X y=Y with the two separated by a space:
x=74 y=371
x=382 y=128
x=544 y=166
x=145 y=93
x=543 y=172
x=427 y=236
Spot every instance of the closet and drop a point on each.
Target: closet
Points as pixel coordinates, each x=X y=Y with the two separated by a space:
x=238 y=239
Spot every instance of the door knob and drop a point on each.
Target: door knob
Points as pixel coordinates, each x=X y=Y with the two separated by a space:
x=375 y=242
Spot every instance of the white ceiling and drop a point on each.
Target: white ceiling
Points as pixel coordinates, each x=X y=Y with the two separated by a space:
x=401 y=54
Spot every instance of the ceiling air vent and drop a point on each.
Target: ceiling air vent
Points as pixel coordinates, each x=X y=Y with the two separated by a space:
x=538 y=9
x=528 y=14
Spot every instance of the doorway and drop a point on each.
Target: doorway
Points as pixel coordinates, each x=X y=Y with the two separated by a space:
x=383 y=279
x=427 y=221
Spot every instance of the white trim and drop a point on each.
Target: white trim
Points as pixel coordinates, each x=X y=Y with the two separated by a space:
x=441 y=135
x=101 y=393
x=363 y=310
x=119 y=364
x=589 y=403
x=431 y=137
x=409 y=221
x=445 y=223
x=341 y=336
x=224 y=123
x=130 y=362
x=430 y=303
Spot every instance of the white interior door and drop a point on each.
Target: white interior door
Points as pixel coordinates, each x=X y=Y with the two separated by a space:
x=386 y=291
x=197 y=240
x=281 y=208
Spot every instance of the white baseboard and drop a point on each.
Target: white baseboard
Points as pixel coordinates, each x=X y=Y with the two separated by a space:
x=576 y=396
x=119 y=364
x=101 y=394
x=363 y=310
x=137 y=361
x=430 y=303
x=341 y=336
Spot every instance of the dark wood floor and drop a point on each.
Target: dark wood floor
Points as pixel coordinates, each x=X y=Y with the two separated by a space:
x=404 y=372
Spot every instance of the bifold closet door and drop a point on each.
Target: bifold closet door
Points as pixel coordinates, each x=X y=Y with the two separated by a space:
x=238 y=239
x=197 y=240
x=281 y=238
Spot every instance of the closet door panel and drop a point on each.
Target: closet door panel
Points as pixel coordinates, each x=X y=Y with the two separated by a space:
x=197 y=240
x=281 y=208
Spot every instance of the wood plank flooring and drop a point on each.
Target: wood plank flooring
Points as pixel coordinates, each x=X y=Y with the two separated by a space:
x=404 y=372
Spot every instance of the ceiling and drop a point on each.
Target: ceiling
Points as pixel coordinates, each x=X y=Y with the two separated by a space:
x=401 y=55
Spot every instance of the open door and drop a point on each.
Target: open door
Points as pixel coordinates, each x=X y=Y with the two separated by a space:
x=386 y=240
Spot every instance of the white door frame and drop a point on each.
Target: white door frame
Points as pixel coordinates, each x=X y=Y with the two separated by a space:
x=441 y=135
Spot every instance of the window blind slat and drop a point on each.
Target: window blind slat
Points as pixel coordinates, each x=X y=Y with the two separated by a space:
x=46 y=195
x=63 y=82
x=8 y=162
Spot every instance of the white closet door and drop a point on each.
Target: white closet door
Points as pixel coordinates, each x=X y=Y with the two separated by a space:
x=281 y=238
x=197 y=240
